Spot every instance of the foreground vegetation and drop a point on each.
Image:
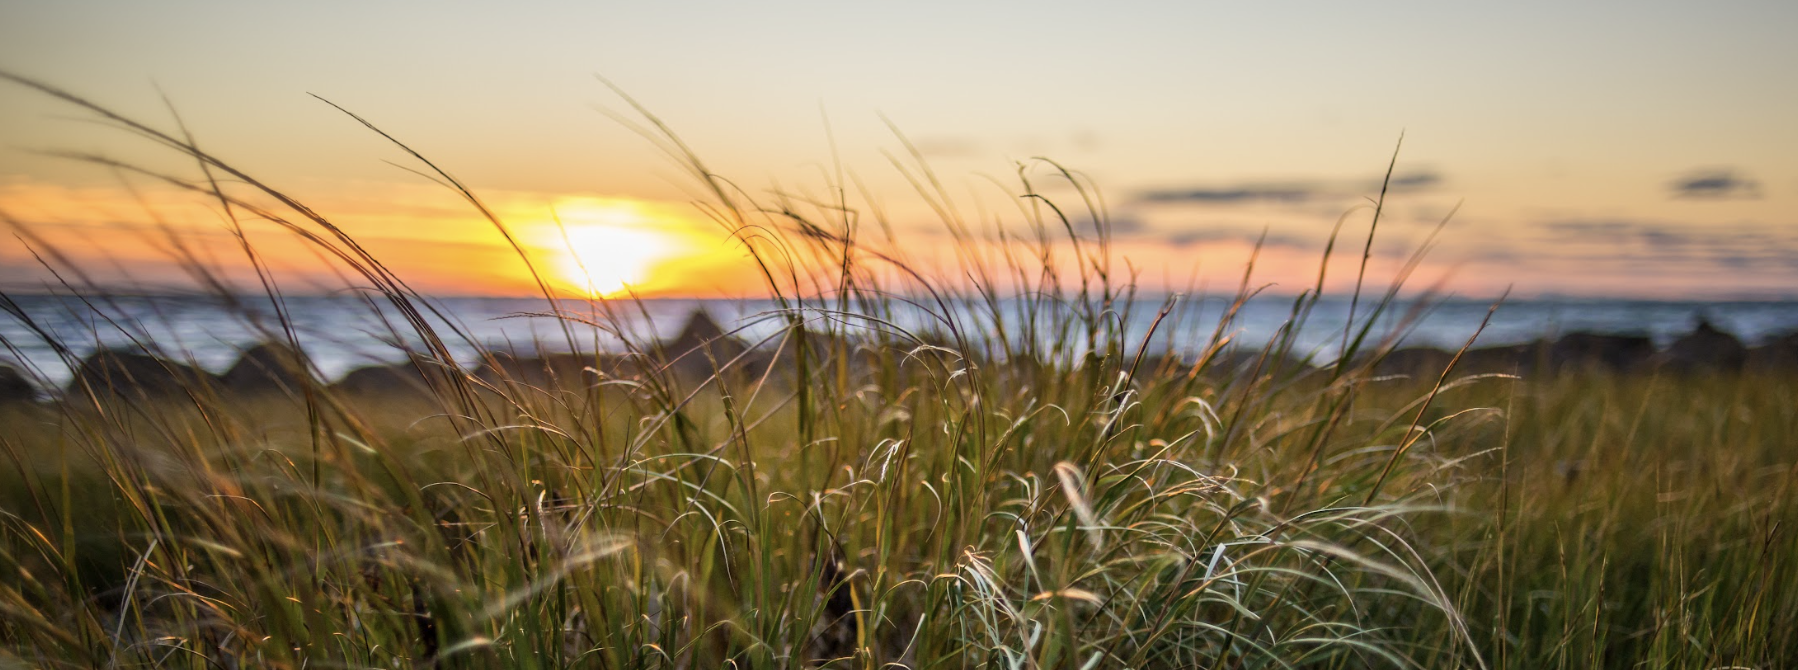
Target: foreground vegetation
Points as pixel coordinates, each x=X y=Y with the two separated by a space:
x=1022 y=484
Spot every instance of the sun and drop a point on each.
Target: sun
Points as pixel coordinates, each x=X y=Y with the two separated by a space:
x=605 y=260
x=607 y=249
x=601 y=247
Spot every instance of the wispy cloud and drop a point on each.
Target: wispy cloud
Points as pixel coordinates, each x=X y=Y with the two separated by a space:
x=1734 y=247
x=1292 y=192
x=1189 y=237
x=1118 y=224
x=1233 y=194
x=1715 y=184
x=1422 y=180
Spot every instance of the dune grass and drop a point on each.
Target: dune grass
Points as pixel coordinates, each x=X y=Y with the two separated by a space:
x=1023 y=484
x=1636 y=521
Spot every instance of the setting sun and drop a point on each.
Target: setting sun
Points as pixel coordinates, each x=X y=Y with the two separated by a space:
x=604 y=247
x=608 y=247
x=606 y=259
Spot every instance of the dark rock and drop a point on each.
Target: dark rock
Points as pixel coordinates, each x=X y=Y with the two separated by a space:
x=1510 y=359
x=417 y=378
x=1586 y=351
x=1706 y=349
x=1415 y=362
x=1779 y=352
x=14 y=387
x=1251 y=364
x=545 y=371
x=1234 y=362
x=1577 y=351
x=268 y=368
x=129 y=372
x=700 y=342
x=829 y=356
x=701 y=330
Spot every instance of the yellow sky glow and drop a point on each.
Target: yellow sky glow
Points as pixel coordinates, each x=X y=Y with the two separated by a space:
x=608 y=247
x=611 y=247
x=1640 y=154
x=592 y=246
x=609 y=259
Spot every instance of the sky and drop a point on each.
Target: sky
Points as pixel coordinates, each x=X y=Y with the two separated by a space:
x=1643 y=149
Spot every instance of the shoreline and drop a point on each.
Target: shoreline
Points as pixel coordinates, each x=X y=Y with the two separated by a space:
x=276 y=368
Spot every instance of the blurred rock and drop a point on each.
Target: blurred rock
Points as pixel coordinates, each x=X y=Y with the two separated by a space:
x=1586 y=352
x=1779 y=352
x=267 y=368
x=1706 y=349
x=545 y=371
x=700 y=342
x=14 y=387
x=133 y=372
x=416 y=378
x=1577 y=352
x=1238 y=364
x=1509 y=359
x=829 y=357
x=1414 y=362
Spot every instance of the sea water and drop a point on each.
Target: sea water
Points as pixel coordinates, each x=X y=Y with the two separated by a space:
x=41 y=334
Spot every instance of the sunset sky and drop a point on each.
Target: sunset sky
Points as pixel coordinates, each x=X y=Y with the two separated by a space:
x=1644 y=149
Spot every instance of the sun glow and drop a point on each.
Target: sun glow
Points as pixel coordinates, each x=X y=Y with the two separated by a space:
x=608 y=247
x=605 y=260
x=599 y=247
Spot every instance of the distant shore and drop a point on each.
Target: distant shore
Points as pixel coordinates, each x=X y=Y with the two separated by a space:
x=271 y=368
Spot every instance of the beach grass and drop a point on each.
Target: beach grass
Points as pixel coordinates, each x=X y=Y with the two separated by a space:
x=1024 y=484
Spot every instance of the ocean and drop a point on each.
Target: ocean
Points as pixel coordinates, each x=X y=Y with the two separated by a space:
x=341 y=333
